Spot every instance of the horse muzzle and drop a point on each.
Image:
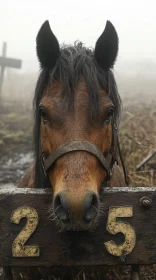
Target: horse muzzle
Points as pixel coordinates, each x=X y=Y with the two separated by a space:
x=76 y=216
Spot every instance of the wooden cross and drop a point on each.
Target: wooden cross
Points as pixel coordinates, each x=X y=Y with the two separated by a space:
x=7 y=62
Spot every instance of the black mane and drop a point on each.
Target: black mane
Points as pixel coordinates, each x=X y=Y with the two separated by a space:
x=74 y=62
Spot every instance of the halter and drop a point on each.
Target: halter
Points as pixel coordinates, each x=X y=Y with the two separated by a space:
x=83 y=145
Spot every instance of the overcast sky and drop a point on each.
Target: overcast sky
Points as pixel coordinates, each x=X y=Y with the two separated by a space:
x=134 y=20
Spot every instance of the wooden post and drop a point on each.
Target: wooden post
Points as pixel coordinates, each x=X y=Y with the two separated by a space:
x=135 y=272
x=2 y=67
x=152 y=176
x=7 y=62
x=7 y=273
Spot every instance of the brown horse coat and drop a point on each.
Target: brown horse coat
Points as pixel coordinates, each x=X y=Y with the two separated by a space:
x=117 y=179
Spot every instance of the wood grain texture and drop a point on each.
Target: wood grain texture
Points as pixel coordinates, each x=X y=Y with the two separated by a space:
x=78 y=248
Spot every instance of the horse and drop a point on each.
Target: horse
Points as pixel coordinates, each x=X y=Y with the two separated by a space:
x=77 y=111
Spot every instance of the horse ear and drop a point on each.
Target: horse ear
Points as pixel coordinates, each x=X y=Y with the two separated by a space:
x=47 y=46
x=106 y=48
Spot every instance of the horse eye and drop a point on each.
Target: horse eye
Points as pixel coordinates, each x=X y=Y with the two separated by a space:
x=44 y=114
x=109 y=113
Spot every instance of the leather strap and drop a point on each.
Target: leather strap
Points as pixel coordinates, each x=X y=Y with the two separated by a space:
x=78 y=145
x=115 y=144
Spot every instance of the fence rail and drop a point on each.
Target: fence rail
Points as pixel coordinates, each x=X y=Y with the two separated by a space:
x=125 y=234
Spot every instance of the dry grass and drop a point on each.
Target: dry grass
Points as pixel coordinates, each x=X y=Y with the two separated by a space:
x=138 y=139
x=82 y=273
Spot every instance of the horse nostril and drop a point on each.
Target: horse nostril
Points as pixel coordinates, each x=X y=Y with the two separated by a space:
x=91 y=207
x=61 y=208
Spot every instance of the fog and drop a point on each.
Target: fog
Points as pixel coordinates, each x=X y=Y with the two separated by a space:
x=134 y=20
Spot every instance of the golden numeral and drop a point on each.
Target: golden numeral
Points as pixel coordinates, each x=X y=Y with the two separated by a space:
x=114 y=227
x=18 y=247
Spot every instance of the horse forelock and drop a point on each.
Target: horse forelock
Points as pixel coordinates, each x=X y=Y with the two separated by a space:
x=75 y=62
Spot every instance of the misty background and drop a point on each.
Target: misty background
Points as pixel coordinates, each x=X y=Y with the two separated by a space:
x=135 y=22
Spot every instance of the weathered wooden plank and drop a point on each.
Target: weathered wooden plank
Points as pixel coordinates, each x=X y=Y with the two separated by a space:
x=10 y=62
x=151 y=165
x=55 y=248
x=145 y=160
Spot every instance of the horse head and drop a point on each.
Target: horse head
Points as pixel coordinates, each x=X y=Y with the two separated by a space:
x=77 y=112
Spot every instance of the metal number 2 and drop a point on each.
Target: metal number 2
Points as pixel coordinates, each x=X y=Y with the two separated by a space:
x=18 y=247
x=114 y=227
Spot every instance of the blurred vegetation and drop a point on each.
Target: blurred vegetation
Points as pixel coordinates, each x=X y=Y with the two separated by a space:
x=16 y=118
x=16 y=127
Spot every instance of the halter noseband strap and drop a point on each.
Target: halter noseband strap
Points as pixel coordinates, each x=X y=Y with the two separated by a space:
x=78 y=145
x=86 y=146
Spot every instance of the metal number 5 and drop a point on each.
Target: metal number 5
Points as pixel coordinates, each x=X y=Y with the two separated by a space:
x=18 y=247
x=114 y=227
